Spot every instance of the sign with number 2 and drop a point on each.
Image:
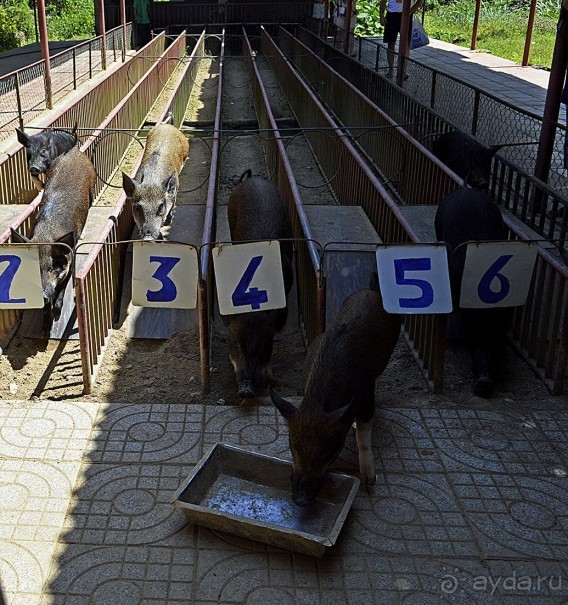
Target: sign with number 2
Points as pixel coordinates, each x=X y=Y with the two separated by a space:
x=20 y=279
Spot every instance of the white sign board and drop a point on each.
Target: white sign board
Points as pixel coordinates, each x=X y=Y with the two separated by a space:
x=164 y=275
x=414 y=278
x=249 y=277
x=497 y=274
x=20 y=278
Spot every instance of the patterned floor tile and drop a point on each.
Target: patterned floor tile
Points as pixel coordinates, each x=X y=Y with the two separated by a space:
x=148 y=433
x=45 y=430
x=34 y=497
x=126 y=505
x=133 y=575
x=408 y=515
x=555 y=426
x=531 y=582
x=515 y=516
x=489 y=441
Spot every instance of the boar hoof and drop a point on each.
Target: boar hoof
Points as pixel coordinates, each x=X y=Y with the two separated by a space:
x=246 y=389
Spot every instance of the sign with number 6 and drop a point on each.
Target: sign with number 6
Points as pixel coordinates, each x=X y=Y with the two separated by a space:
x=414 y=278
x=249 y=277
x=164 y=275
x=497 y=274
x=20 y=279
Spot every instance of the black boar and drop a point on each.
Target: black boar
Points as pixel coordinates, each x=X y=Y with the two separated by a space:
x=43 y=148
x=466 y=157
x=340 y=370
x=61 y=218
x=256 y=212
x=154 y=189
x=469 y=215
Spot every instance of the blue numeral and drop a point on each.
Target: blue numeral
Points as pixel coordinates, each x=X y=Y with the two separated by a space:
x=414 y=264
x=254 y=297
x=168 y=291
x=7 y=278
x=484 y=291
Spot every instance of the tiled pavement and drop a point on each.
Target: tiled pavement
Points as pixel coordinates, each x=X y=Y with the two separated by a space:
x=470 y=506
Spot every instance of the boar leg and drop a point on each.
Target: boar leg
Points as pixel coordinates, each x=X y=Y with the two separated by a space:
x=363 y=431
x=38 y=184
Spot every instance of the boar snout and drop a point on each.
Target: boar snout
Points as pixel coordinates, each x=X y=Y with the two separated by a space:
x=305 y=488
x=35 y=170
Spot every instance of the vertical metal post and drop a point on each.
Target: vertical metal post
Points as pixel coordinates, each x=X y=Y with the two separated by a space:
x=19 y=99
x=347 y=25
x=475 y=115
x=123 y=21
x=475 y=24
x=74 y=69
x=552 y=104
x=102 y=27
x=403 y=42
x=528 y=39
x=433 y=90
x=377 y=56
x=45 y=52
x=90 y=59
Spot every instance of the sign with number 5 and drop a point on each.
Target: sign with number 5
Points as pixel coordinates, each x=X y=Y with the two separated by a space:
x=20 y=279
x=164 y=275
x=414 y=278
x=497 y=274
x=249 y=277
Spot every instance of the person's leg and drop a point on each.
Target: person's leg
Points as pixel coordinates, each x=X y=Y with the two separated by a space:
x=392 y=28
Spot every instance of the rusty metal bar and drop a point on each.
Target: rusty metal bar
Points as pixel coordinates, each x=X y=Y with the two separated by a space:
x=19 y=99
x=44 y=43
x=123 y=22
x=528 y=38
x=102 y=31
x=475 y=24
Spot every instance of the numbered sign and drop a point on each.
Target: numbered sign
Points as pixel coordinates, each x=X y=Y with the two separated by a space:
x=414 y=279
x=20 y=278
x=497 y=274
x=249 y=277
x=164 y=275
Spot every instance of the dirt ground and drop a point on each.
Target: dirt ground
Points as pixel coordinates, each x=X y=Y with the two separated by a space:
x=168 y=371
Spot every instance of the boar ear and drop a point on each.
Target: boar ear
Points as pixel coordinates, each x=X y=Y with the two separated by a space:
x=61 y=257
x=23 y=138
x=337 y=415
x=74 y=130
x=284 y=407
x=19 y=238
x=68 y=239
x=129 y=185
x=170 y=184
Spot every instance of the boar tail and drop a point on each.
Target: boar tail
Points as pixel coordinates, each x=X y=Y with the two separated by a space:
x=247 y=174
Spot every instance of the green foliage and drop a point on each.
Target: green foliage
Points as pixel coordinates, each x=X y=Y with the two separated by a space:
x=368 y=21
x=67 y=19
x=16 y=24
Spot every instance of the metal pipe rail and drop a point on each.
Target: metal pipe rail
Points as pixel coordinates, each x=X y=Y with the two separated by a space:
x=534 y=202
x=98 y=282
x=355 y=184
x=24 y=89
x=310 y=279
x=414 y=173
x=540 y=327
x=16 y=185
x=206 y=287
x=9 y=318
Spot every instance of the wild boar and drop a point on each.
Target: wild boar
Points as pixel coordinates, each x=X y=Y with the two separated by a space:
x=154 y=189
x=60 y=220
x=468 y=215
x=340 y=370
x=43 y=148
x=257 y=212
x=466 y=157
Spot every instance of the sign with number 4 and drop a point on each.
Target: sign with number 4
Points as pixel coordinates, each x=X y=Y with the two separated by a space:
x=497 y=274
x=414 y=279
x=20 y=279
x=249 y=277
x=164 y=275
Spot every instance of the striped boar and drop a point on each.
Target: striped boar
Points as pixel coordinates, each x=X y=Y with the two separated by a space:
x=340 y=370
x=468 y=215
x=153 y=191
x=43 y=148
x=256 y=212
x=61 y=218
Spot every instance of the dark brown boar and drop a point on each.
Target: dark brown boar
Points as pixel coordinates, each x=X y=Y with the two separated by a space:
x=340 y=370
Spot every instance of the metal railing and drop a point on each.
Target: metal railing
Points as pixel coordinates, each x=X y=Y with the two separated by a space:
x=310 y=279
x=423 y=114
x=98 y=281
x=541 y=326
x=23 y=94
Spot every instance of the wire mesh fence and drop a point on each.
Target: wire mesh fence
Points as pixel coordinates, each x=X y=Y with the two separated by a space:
x=23 y=92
